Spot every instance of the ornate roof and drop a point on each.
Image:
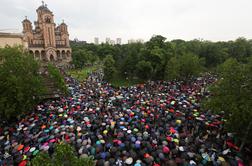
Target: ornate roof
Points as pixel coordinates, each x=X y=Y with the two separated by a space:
x=26 y=20
x=43 y=7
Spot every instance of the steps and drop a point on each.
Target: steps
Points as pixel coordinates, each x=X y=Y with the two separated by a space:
x=51 y=90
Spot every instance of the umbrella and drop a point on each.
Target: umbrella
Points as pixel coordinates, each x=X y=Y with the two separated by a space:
x=20 y=147
x=26 y=149
x=35 y=152
x=32 y=149
x=23 y=163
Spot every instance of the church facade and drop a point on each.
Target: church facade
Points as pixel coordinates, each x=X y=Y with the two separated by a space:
x=46 y=41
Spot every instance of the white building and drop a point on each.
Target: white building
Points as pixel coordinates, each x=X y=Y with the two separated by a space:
x=107 y=40
x=96 y=40
x=135 y=41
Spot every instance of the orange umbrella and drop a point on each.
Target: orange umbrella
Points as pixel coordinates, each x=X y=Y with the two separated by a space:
x=20 y=147
x=43 y=126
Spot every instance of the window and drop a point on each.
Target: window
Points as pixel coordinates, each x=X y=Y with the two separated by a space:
x=48 y=19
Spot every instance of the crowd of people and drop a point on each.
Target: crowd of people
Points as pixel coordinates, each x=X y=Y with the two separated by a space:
x=152 y=124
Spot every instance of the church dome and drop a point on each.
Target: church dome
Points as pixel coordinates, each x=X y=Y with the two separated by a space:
x=43 y=8
x=26 y=20
x=63 y=24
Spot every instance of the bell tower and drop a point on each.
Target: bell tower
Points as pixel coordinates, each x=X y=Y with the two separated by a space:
x=46 y=23
x=27 y=30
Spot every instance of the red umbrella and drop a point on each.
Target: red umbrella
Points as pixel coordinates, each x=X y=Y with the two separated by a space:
x=23 y=163
x=172 y=130
x=26 y=149
x=230 y=144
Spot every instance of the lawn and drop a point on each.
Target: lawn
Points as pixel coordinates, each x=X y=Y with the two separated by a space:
x=82 y=74
x=118 y=81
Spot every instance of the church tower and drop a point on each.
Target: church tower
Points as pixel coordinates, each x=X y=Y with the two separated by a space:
x=27 y=30
x=46 y=23
x=46 y=42
x=64 y=33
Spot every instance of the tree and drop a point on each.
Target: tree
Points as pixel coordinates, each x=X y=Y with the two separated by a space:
x=190 y=65
x=232 y=95
x=156 y=41
x=172 y=69
x=109 y=67
x=82 y=57
x=214 y=53
x=20 y=82
x=57 y=78
x=64 y=155
x=182 y=67
x=240 y=49
x=144 y=69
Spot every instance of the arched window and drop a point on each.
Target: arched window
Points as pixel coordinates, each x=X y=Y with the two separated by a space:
x=37 y=54
x=58 y=55
x=63 y=54
x=43 y=56
x=31 y=52
x=68 y=54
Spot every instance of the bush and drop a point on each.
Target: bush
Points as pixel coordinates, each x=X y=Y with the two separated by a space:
x=57 y=78
x=64 y=155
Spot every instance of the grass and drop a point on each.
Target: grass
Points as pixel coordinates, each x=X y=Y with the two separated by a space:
x=82 y=74
x=119 y=81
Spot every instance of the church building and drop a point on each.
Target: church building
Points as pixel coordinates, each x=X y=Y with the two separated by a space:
x=46 y=41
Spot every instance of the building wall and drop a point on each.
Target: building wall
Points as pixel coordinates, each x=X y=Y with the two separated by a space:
x=12 y=40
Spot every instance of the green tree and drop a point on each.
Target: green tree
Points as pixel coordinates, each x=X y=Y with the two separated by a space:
x=172 y=69
x=109 y=67
x=182 y=67
x=232 y=95
x=214 y=53
x=83 y=57
x=156 y=41
x=190 y=65
x=144 y=70
x=57 y=78
x=240 y=49
x=64 y=155
x=20 y=82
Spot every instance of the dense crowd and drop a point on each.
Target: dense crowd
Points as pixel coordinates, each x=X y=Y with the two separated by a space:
x=157 y=123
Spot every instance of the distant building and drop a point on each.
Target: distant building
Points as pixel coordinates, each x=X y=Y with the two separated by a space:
x=118 y=41
x=76 y=41
x=107 y=40
x=12 y=39
x=47 y=42
x=139 y=41
x=96 y=40
x=131 y=41
x=135 y=41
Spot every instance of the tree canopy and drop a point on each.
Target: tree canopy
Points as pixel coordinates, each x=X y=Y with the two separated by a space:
x=160 y=52
x=232 y=95
x=20 y=82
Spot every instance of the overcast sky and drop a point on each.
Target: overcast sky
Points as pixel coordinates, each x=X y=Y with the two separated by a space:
x=175 y=19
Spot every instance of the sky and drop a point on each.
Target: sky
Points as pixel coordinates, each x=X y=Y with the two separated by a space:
x=215 y=20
